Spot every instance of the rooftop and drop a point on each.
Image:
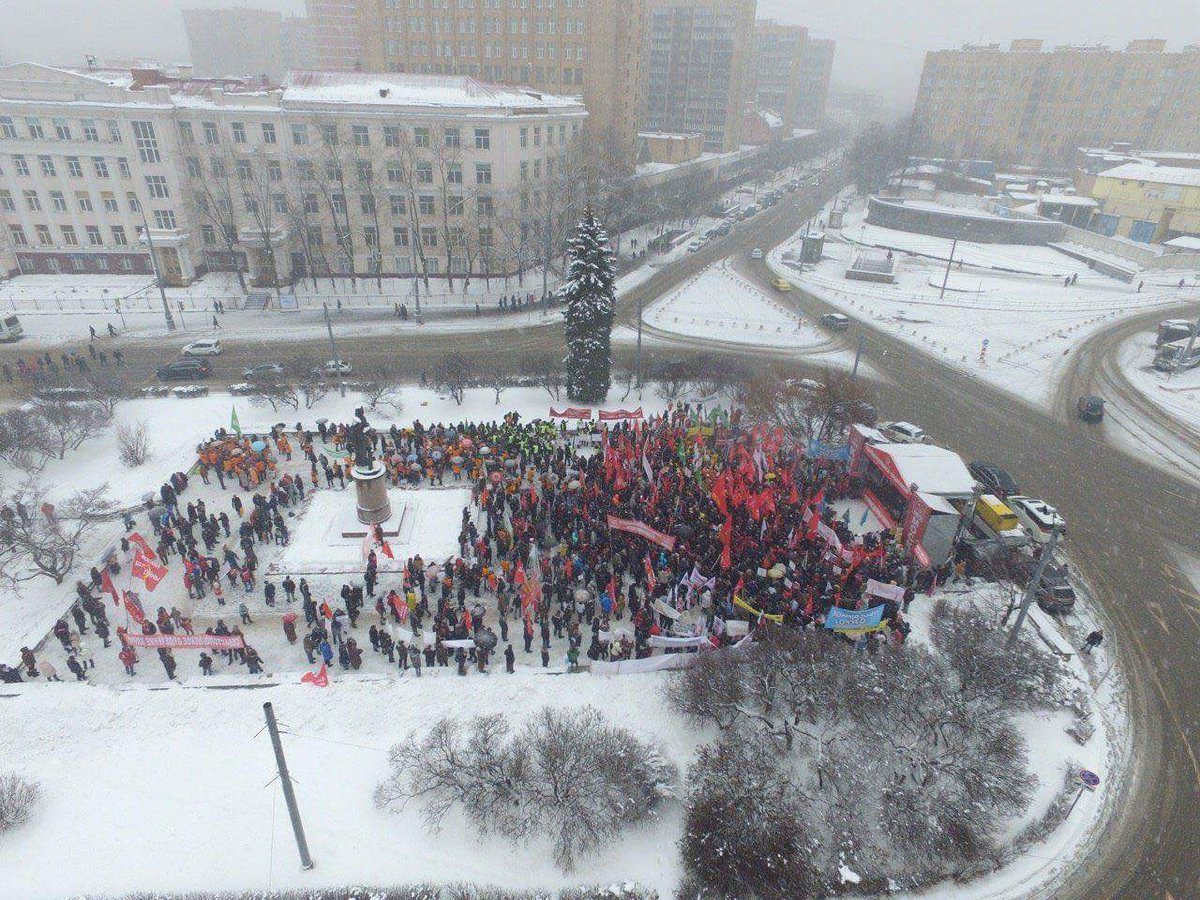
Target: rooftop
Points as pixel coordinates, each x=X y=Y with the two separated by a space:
x=412 y=89
x=1155 y=174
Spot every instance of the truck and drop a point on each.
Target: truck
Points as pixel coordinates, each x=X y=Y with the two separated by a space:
x=994 y=518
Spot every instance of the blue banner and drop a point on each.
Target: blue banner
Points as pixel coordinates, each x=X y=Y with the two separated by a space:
x=854 y=619
x=818 y=450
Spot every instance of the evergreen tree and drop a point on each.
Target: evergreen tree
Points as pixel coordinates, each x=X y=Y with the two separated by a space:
x=590 y=293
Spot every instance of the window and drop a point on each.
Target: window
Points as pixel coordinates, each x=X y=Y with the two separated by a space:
x=123 y=166
x=132 y=200
x=429 y=236
x=367 y=203
x=524 y=170
x=239 y=132
x=454 y=205
x=89 y=131
x=454 y=173
x=208 y=234
x=312 y=204
x=453 y=137
x=211 y=136
x=118 y=235
x=32 y=202
x=274 y=170
x=69 y=236
x=483 y=173
x=84 y=199
x=537 y=135
x=524 y=138
x=101 y=166
x=157 y=185
x=164 y=218
x=109 y=199
x=147 y=143
x=339 y=204
x=483 y=139
x=391 y=135
x=395 y=173
x=46 y=164
x=8 y=131
x=102 y=263
x=17 y=233
x=218 y=167
x=35 y=129
x=329 y=135
x=361 y=135
x=486 y=206
x=363 y=168
x=300 y=135
x=6 y=201
x=399 y=205
x=58 y=201
x=421 y=136
x=425 y=205
x=21 y=166
x=370 y=236
x=43 y=235
x=243 y=169
x=279 y=203
x=250 y=204
x=126 y=263
x=316 y=237
x=424 y=172
x=73 y=167
x=193 y=167
x=306 y=169
x=114 y=130
x=62 y=130
x=486 y=238
x=268 y=132
x=400 y=235
x=95 y=239
x=186 y=135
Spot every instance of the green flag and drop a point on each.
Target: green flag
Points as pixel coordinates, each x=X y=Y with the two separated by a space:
x=234 y=423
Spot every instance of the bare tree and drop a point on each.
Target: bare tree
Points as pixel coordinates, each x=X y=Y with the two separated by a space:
x=498 y=379
x=546 y=370
x=133 y=444
x=454 y=373
x=264 y=199
x=331 y=186
x=67 y=425
x=106 y=389
x=214 y=197
x=45 y=540
x=382 y=389
x=18 y=797
x=815 y=410
x=23 y=439
x=277 y=391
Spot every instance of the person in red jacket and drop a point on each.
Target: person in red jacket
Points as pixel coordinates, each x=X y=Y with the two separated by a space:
x=128 y=658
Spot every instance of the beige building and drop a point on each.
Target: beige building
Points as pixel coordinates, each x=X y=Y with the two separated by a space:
x=1147 y=203
x=816 y=69
x=698 y=63
x=778 y=61
x=1028 y=105
x=588 y=48
x=371 y=174
x=236 y=41
x=670 y=149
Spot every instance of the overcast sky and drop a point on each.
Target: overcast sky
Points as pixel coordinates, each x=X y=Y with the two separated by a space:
x=881 y=43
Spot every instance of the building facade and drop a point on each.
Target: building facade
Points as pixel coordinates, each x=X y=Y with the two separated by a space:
x=1147 y=203
x=235 y=42
x=588 y=48
x=778 y=60
x=1030 y=106
x=698 y=68
x=816 y=69
x=373 y=175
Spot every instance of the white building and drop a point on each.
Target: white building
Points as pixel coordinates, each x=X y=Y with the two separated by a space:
x=380 y=174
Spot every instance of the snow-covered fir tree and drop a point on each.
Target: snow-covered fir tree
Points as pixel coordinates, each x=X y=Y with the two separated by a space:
x=590 y=294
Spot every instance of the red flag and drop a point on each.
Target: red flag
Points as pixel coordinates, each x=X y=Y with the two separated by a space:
x=720 y=492
x=651 y=581
x=107 y=585
x=519 y=577
x=727 y=543
x=319 y=678
x=150 y=572
x=387 y=550
x=143 y=544
x=134 y=607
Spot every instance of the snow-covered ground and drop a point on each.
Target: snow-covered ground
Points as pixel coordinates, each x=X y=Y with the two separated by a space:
x=1015 y=331
x=1177 y=393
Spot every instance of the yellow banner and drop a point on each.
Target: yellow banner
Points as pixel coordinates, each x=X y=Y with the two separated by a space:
x=738 y=601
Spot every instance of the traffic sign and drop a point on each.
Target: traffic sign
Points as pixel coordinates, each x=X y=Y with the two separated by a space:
x=1089 y=779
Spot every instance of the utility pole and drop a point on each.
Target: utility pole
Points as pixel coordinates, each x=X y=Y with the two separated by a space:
x=638 y=354
x=949 y=262
x=154 y=265
x=862 y=343
x=1187 y=354
x=337 y=360
x=968 y=514
x=289 y=795
x=1034 y=583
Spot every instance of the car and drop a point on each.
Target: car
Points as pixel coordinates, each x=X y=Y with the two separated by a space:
x=902 y=432
x=836 y=321
x=262 y=370
x=1055 y=594
x=722 y=230
x=334 y=367
x=1090 y=408
x=204 y=347
x=756 y=253
x=185 y=369
x=781 y=284
x=697 y=244
x=1037 y=516
x=994 y=479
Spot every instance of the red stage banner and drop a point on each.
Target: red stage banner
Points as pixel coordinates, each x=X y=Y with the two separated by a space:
x=150 y=572
x=641 y=529
x=186 y=641
x=571 y=412
x=613 y=415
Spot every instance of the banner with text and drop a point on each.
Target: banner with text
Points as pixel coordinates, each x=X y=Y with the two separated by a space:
x=186 y=641
x=641 y=529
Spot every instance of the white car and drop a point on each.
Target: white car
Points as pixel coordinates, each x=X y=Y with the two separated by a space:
x=903 y=432
x=335 y=367
x=206 y=347
x=1038 y=517
x=756 y=253
x=697 y=244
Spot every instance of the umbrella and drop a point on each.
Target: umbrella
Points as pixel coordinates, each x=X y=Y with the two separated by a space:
x=289 y=617
x=485 y=450
x=456 y=459
x=467 y=442
x=437 y=454
x=258 y=446
x=415 y=467
x=496 y=477
x=412 y=457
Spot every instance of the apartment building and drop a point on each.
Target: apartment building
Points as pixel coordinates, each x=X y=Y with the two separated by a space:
x=1148 y=203
x=1033 y=106
x=816 y=68
x=777 y=61
x=589 y=48
x=236 y=41
x=698 y=68
x=377 y=175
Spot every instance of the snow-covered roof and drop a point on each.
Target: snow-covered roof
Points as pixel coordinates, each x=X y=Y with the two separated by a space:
x=933 y=469
x=1069 y=200
x=377 y=88
x=1155 y=174
x=1184 y=242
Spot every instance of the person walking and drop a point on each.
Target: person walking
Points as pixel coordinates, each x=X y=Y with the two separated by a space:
x=510 y=659
x=1092 y=641
x=76 y=668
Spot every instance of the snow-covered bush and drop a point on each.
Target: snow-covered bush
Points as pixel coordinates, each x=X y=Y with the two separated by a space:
x=133 y=444
x=18 y=797
x=566 y=775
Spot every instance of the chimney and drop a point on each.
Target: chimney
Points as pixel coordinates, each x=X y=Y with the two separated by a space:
x=383 y=92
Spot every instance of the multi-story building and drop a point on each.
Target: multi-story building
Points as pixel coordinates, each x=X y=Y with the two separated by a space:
x=575 y=47
x=778 y=60
x=1147 y=203
x=698 y=71
x=235 y=42
x=816 y=68
x=331 y=173
x=299 y=52
x=1026 y=105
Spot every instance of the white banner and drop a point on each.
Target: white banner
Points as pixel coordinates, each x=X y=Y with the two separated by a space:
x=464 y=643
x=892 y=592
x=666 y=609
x=649 y=664
x=659 y=640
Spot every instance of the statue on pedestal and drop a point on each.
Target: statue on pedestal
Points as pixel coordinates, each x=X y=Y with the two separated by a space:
x=362 y=444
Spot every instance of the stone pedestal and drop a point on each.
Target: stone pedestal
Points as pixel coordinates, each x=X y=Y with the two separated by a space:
x=371 y=489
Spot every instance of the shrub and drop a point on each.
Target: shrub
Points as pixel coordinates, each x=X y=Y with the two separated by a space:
x=18 y=796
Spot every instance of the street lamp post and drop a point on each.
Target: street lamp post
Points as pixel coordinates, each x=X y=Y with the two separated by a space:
x=154 y=264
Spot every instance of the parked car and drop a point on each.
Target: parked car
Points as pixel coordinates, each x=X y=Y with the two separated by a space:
x=262 y=370
x=836 y=321
x=335 y=367
x=781 y=284
x=11 y=329
x=185 y=369
x=994 y=479
x=756 y=253
x=697 y=244
x=1055 y=593
x=1173 y=330
x=1038 y=517
x=1090 y=408
x=1175 y=358
x=994 y=518
x=203 y=347
x=902 y=432
x=723 y=229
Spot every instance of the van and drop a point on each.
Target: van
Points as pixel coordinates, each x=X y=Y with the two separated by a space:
x=11 y=329
x=997 y=518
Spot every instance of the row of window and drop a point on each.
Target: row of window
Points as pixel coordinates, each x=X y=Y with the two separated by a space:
x=331 y=134
x=402 y=236
x=398 y=204
x=48 y=167
x=445 y=25
x=58 y=201
x=95 y=237
x=483 y=4
x=38 y=129
x=491 y=50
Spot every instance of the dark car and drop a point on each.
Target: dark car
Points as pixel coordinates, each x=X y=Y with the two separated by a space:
x=994 y=479
x=1055 y=594
x=185 y=369
x=1090 y=408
